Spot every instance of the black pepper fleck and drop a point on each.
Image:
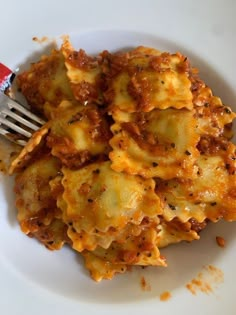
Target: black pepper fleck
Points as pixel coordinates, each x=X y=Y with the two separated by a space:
x=227 y=110
x=97 y=171
x=172 y=206
x=75 y=118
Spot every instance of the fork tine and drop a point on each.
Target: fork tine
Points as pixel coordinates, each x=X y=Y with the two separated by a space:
x=24 y=111
x=20 y=119
x=15 y=117
x=14 y=105
x=3 y=132
x=14 y=127
x=8 y=135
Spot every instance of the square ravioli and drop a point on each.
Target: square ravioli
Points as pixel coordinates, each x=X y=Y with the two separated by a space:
x=100 y=189
x=144 y=79
x=45 y=84
x=160 y=143
x=78 y=134
x=209 y=196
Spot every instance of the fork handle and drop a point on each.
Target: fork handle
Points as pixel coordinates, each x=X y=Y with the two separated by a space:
x=6 y=77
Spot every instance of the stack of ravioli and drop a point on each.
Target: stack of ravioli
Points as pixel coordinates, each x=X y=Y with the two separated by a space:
x=135 y=156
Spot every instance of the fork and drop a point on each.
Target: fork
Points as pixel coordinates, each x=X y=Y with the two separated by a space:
x=16 y=122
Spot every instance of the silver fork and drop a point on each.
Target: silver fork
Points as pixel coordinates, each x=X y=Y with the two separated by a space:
x=16 y=122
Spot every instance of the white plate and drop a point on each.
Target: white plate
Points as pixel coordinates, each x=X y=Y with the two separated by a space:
x=36 y=281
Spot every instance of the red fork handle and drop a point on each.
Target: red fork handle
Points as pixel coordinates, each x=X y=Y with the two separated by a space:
x=6 y=77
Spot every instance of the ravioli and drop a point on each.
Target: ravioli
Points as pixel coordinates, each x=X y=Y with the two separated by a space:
x=46 y=83
x=140 y=82
x=175 y=231
x=38 y=214
x=78 y=133
x=100 y=268
x=98 y=188
x=136 y=156
x=200 y=198
x=212 y=116
x=83 y=72
x=53 y=236
x=141 y=250
x=32 y=147
x=161 y=143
